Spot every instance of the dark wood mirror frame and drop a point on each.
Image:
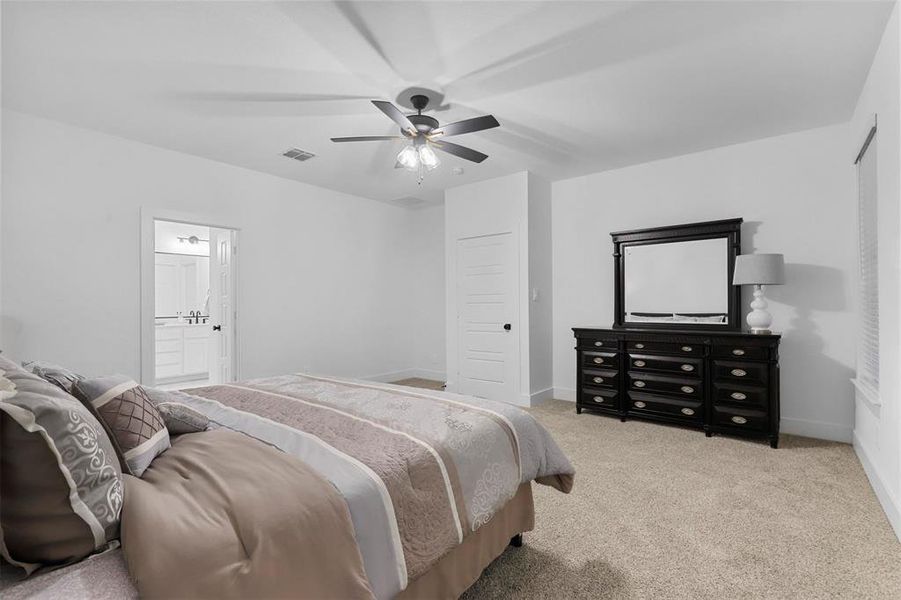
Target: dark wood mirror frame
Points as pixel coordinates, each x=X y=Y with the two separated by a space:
x=727 y=228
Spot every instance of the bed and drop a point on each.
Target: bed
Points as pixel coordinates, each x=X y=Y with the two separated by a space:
x=308 y=486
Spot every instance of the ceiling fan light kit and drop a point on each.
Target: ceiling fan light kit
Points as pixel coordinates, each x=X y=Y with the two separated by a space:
x=426 y=134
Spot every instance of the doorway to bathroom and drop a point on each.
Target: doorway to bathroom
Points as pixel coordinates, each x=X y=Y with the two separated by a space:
x=189 y=336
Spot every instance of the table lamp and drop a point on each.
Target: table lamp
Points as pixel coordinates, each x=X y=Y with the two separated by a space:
x=759 y=270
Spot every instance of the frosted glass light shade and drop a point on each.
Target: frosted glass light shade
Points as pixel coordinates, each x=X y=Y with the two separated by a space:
x=759 y=269
x=409 y=158
x=428 y=157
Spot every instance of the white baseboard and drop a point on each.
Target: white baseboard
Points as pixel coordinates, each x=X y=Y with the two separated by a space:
x=816 y=429
x=406 y=374
x=890 y=504
x=541 y=396
x=564 y=394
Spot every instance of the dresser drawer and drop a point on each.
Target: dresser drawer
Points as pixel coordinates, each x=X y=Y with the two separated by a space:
x=672 y=386
x=600 y=378
x=726 y=370
x=600 y=360
x=600 y=398
x=740 y=395
x=683 y=349
x=598 y=343
x=740 y=418
x=739 y=352
x=688 y=410
x=666 y=364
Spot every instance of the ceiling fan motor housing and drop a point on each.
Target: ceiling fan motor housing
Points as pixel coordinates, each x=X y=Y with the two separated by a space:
x=424 y=123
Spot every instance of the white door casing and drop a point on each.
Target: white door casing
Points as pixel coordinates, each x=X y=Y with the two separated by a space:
x=149 y=215
x=487 y=323
x=222 y=306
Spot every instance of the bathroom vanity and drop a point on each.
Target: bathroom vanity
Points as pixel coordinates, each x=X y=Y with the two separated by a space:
x=182 y=351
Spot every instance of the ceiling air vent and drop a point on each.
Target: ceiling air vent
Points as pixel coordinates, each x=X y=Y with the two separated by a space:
x=409 y=202
x=298 y=154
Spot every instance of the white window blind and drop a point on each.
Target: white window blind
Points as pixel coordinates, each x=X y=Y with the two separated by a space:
x=868 y=342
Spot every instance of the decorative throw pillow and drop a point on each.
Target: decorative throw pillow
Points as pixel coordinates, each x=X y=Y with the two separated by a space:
x=60 y=483
x=135 y=426
x=179 y=417
x=61 y=377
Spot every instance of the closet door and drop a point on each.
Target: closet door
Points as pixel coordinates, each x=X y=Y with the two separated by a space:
x=487 y=323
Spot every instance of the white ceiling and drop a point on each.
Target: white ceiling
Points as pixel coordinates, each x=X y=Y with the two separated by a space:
x=578 y=87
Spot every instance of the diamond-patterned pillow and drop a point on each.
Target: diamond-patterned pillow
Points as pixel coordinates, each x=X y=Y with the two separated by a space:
x=134 y=424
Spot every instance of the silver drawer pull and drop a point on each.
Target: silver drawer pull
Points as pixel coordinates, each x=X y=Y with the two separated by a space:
x=639 y=346
x=739 y=420
x=599 y=343
x=688 y=368
x=738 y=352
x=687 y=411
x=686 y=348
x=687 y=389
x=640 y=404
x=639 y=363
x=640 y=383
x=598 y=380
x=598 y=399
x=738 y=396
x=739 y=372
x=598 y=360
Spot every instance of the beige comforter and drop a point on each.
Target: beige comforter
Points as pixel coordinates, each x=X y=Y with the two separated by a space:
x=418 y=470
x=221 y=515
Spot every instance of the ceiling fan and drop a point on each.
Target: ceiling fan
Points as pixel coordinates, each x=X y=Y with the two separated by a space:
x=426 y=133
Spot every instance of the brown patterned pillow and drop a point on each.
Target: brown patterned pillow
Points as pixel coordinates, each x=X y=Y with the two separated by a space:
x=60 y=483
x=134 y=424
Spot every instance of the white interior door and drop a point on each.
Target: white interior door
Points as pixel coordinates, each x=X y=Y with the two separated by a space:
x=222 y=306
x=488 y=335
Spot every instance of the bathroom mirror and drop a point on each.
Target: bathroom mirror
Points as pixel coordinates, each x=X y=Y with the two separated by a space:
x=678 y=276
x=182 y=284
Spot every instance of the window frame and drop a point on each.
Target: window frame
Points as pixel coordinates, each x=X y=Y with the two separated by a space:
x=866 y=381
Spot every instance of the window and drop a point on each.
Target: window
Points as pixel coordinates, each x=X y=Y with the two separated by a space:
x=868 y=333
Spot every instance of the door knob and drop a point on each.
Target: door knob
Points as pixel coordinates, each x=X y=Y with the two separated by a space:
x=217 y=327
x=507 y=327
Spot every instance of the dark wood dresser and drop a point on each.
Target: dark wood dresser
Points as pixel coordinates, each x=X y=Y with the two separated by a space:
x=722 y=382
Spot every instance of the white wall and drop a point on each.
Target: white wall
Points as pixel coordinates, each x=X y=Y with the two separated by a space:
x=877 y=427
x=323 y=275
x=795 y=194
x=424 y=285
x=540 y=300
x=485 y=208
x=521 y=204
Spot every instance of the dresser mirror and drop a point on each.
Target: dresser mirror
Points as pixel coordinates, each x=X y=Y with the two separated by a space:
x=678 y=276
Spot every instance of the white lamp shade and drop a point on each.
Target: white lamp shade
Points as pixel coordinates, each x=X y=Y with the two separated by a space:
x=759 y=269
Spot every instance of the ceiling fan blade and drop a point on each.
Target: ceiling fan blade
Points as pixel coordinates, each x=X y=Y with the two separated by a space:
x=395 y=115
x=461 y=151
x=368 y=138
x=466 y=126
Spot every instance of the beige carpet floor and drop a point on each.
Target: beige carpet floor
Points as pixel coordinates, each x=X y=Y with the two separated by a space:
x=664 y=512
x=429 y=384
